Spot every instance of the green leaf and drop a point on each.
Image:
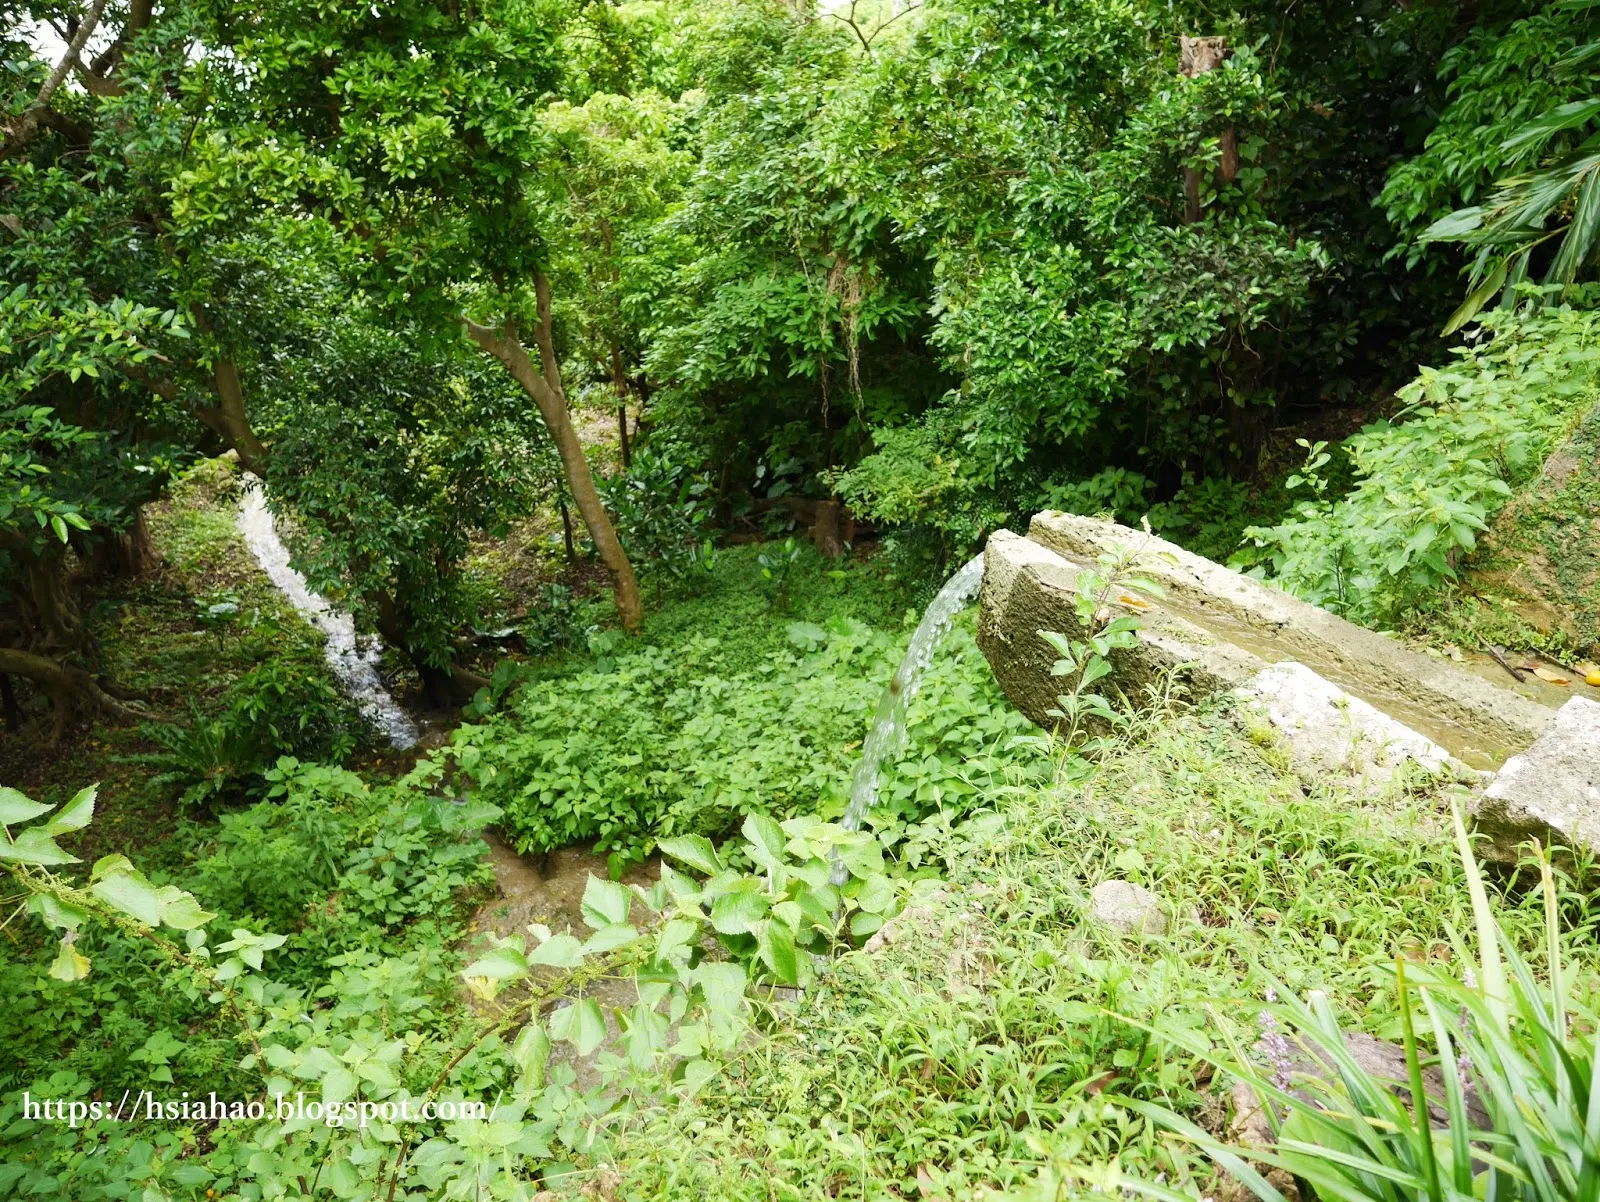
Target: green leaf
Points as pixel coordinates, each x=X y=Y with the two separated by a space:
x=695 y=851
x=1478 y=297
x=75 y=815
x=34 y=846
x=339 y=1084
x=605 y=903
x=581 y=1024
x=767 y=836
x=57 y=913
x=503 y=963
x=606 y=939
x=15 y=807
x=128 y=891
x=737 y=913
x=531 y=1053
x=677 y=933
x=558 y=951
x=876 y=895
x=180 y=911
x=722 y=983
x=775 y=942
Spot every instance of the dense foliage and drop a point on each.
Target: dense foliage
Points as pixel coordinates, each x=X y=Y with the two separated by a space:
x=637 y=369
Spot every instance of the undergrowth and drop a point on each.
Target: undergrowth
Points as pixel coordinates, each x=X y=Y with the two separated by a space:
x=990 y=1037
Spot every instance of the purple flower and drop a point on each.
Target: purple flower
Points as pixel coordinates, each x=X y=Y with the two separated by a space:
x=1275 y=1048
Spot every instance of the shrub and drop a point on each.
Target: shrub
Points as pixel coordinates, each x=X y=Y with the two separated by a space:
x=1430 y=481
x=278 y=708
x=658 y=742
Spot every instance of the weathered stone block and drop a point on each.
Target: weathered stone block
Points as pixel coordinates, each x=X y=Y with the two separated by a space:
x=1551 y=791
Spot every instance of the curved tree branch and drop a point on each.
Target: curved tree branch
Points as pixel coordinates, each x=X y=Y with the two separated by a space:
x=19 y=135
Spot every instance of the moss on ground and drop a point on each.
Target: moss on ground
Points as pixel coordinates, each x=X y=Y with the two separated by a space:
x=1534 y=583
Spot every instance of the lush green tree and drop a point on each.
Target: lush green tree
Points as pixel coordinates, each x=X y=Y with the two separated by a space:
x=387 y=492
x=425 y=146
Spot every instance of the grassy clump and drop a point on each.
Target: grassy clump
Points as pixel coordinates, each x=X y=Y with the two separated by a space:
x=990 y=1039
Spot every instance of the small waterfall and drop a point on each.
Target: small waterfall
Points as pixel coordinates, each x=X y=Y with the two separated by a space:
x=353 y=659
x=888 y=734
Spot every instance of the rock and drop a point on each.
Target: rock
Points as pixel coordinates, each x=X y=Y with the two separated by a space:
x=1329 y=732
x=1378 y=1058
x=1474 y=719
x=1550 y=792
x=1127 y=909
x=1028 y=588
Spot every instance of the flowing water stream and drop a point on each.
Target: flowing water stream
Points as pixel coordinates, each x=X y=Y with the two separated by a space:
x=354 y=659
x=888 y=734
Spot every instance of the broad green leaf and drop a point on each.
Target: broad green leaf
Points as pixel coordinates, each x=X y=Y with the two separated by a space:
x=776 y=945
x=16 y=807
x=558 y=951
x=503 y=963
x=75 y=815
x=605 y=903
x=531 y=1053
x=106 y=865
x=863 y=924
x=723 y=984
x=676 y=933
x=581 y=1024
x=338 y=1085
x=609 y=938
x=765 y=835
x=57 y=913
x=737 y=913
x=695 y=851
x=876 y=895
x=34 y=846
x=129 y=892
x=180 y=911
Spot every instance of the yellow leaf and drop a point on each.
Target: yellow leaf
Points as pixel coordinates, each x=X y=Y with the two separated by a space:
x=1550 y=674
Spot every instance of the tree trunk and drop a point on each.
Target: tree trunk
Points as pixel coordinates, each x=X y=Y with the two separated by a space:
x=825 y=533
x=126 y=555
x=27 y=125
x=566 y=530
x=60 y=625
x=1196 y=56
x=619 y=380
x=445 y=687
x=230 y=419
x=543 y=384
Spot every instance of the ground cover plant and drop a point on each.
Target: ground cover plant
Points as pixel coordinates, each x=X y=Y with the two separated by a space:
x=636 y=371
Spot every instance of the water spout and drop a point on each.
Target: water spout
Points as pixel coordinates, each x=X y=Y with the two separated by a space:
x=353 y=659
x=888 y=734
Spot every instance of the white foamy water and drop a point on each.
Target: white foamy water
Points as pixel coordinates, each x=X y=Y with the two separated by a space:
x=353 y=658
x=888 y=735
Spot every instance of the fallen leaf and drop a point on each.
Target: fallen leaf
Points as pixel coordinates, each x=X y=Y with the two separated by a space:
x=1550 y=674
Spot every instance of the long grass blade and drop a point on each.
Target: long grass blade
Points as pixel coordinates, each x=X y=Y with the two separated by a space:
x=1491 y=975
